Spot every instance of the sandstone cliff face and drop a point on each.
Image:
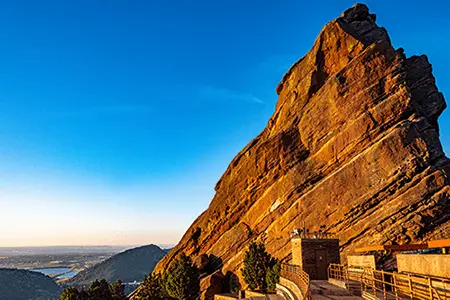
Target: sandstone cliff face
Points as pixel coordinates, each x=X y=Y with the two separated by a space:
x=353 y=144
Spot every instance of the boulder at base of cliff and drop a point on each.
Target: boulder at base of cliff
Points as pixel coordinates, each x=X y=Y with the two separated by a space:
x=211 y=285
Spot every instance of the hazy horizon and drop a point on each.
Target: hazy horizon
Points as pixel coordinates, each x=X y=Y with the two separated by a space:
x=118 y=118
x=163 y=246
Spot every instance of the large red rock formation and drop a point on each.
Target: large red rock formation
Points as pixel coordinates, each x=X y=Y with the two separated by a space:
x=353 y=145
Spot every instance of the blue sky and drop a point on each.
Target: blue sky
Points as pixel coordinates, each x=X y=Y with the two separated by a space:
x=118 y=117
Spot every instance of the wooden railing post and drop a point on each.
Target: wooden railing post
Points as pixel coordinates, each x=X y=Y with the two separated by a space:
x=430 y=287
x=363 y=285
x=347 y=284
x=374 y=288
x=410 y=287
x=394 y=278
x=445 y=292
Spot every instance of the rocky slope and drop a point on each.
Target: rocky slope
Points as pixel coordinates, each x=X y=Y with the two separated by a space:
x=128 y=266
x=16 y=284
x=353 y=145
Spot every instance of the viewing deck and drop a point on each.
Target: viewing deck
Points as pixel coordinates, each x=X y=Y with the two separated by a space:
x=295 y=284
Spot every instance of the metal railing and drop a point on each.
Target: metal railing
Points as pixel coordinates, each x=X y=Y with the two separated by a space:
x=388 y=285
x=338 y=272
x=378 y=284
x=441 y=284
x=299 y=277
x=344 y=274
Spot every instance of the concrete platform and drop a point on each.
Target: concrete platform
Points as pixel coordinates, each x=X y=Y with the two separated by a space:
x=322 y=290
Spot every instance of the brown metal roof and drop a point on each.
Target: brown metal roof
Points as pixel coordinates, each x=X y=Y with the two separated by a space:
x=408 y=247
x=439 y=244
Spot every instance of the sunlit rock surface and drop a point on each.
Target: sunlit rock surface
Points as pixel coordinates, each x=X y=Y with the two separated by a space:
x=353 y=144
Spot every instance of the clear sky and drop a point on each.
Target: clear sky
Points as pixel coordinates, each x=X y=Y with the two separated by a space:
x=118 y=117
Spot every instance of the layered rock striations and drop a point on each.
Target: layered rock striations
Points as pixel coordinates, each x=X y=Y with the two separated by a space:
x=353 y=145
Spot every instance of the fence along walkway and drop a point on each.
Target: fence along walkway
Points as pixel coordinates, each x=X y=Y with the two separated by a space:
x=297 y=276
x=378 y=284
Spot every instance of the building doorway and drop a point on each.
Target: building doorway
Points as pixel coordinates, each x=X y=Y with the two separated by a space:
x=321 y=264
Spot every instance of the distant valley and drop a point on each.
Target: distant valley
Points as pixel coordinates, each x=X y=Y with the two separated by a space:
x=73 y=257
x=41 y=272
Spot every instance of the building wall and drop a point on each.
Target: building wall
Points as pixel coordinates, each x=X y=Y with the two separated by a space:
x=361 y=261
x=225 y=297
x=297 y=257
x=304 y=254
x=428 y=264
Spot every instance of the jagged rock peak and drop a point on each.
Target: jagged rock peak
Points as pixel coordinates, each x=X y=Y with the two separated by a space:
x=353 y=144
x=362 y=25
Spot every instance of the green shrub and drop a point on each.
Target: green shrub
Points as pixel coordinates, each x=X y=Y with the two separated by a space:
x=182 y=279
x=152 y=288
x=70 y=293
x=273 y=275
x=257 y=264
x=117 y=290
x=98 y=290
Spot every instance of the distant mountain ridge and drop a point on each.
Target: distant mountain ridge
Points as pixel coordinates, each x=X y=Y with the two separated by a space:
x=128 y=266
x=17 y=284
x=51 y=250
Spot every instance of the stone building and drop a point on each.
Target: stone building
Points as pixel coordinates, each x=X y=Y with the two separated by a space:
x=314 y=255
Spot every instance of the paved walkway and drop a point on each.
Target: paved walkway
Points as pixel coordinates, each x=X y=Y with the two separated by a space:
x=322 y=290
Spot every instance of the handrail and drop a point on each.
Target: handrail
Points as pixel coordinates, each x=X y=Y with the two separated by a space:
x=297 y=276
x=397 y=285
x=338 y=272
x=392 y=284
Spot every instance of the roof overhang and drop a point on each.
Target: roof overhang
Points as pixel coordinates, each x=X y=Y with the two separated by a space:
x=408 y=247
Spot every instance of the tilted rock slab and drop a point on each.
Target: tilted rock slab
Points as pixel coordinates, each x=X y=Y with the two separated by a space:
x=353 y=145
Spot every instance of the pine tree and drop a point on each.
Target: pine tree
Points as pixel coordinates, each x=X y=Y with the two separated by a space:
x=273 y=274
x=152 y=288
x=117 y=291
x=99 y=290
x=182 y=279
x=256 y=263
x=69 y=293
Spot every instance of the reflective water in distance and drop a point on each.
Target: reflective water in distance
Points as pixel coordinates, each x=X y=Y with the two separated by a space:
x=62 y=272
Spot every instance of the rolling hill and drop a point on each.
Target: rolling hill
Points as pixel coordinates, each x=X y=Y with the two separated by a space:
x=128 y=266
x=17 y=284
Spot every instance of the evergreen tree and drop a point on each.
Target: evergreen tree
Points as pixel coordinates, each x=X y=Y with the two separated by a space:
x=69 y=293
x=99 y=290
x=152 y=288
x=117 y=291
x=182 y=279
x=84 y=295
x=256 y=263
x=273 y=274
